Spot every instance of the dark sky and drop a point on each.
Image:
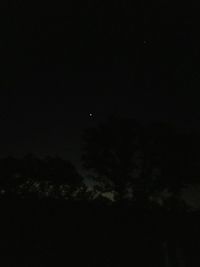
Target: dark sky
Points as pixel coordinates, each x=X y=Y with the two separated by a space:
x=58 y=67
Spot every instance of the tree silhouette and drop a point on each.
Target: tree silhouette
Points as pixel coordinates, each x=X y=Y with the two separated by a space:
x=62 y=174
x=170 y=152
x=148 y=160
x=113 y=152
x=10 y=169
x=50 y=176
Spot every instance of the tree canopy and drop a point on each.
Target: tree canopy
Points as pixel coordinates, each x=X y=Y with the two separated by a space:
x=125 y=156
x=50 y=176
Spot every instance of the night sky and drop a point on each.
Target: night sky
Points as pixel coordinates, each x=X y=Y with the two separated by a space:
x=66 y=70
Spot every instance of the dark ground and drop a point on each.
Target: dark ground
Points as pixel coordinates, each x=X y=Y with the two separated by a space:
x=39 y=234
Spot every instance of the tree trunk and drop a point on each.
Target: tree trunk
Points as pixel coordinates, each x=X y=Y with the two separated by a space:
x=167 y=260
x=180 y=256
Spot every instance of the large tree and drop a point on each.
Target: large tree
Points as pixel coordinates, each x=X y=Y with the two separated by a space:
x=148 y=160
x=172 y=153
x=112 y=151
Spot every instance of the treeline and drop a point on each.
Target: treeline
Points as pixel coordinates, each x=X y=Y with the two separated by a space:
x=146 y=166
x=39 y=177
x=50 y=217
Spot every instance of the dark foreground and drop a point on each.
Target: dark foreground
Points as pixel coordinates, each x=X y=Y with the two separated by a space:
x=40 y=234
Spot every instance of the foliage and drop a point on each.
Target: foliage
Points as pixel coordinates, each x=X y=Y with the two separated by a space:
x=50 y=176
x=112 y=152
x=123 y=155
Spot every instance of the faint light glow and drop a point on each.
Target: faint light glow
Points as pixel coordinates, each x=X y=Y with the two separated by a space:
x=109 y=195
x=191 y=195
x=3 y=191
